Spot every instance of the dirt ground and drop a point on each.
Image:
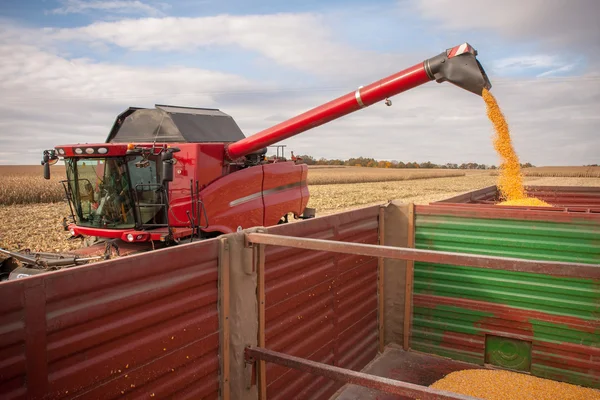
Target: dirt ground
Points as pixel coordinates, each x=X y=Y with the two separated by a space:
x=38 y=226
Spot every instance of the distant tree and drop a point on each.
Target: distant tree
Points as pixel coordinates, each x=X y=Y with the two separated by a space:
x=427 y=164
x=308 y=159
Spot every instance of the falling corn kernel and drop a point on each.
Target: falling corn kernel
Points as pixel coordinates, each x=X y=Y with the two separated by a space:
x=510 y=180
x=507 y=385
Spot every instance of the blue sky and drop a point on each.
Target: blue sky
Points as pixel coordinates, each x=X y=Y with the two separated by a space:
x=69 y=66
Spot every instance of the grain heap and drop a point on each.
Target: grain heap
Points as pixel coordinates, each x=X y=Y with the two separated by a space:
x=510 y=180
x=506 y=385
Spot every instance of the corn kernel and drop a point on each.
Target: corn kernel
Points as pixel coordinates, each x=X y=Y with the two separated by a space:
x=510 y=180
x=507 y=385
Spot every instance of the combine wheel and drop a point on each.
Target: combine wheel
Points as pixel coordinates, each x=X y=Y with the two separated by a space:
x=7 y=265
x=283 y=220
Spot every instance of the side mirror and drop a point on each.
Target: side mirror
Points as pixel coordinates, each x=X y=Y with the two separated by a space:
x=49 y=158
x=46 y=170
x=167 y=164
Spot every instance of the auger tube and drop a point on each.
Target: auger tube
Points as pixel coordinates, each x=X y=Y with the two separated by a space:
x=457 y=65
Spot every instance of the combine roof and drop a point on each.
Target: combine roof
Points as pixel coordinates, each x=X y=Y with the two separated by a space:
x=174 y=124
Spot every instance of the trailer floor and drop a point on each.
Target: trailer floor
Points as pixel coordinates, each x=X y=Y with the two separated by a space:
x=395 y=363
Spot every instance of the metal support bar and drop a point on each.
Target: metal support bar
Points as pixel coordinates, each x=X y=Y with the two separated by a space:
x=260 y=292
x=380 y=280
x=578 y=270
x=386 y=385
x=224 y=317
x=409 y=278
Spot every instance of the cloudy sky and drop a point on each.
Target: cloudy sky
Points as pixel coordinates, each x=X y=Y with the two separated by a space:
x=68 y=67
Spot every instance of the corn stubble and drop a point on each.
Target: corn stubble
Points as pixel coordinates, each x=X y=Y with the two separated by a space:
x=348 y=175
x=507 y=385
x=510 y=179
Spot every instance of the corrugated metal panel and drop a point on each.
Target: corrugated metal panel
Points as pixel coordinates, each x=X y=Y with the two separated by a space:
x=584 y=199
x=321 y=306
x=455 y=307
x=567 y=196
x=144 y=326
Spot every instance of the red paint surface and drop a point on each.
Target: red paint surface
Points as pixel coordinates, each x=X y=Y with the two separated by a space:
x=278 y=201
x=114 y=149
x=222 y=216
x=505 y=312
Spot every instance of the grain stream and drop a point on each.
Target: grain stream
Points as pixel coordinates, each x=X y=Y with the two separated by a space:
x=510 y=180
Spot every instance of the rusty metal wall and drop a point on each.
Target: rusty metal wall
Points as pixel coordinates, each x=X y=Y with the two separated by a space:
x=145 y=326
x=574 y=198
x=549 y=325
x=321 y=306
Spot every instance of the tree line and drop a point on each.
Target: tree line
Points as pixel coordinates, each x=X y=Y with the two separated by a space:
x=372 y=163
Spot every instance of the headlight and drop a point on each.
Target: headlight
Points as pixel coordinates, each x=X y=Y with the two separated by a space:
x=102 y=150
x=89 y=150
x=78 y=151
x=72 y=231
x=129 y=237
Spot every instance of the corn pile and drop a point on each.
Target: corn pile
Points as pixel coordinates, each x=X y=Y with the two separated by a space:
x=506 y=385
x=510 y=181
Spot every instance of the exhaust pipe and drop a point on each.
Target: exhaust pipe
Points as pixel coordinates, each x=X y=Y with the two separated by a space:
x=460 y=67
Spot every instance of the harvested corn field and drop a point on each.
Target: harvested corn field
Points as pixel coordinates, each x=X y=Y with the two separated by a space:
x=341 y=175
x=331 y=198
x=506 y=385
x=572 y=172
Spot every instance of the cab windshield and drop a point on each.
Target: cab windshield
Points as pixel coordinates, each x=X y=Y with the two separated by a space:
x=101 y=192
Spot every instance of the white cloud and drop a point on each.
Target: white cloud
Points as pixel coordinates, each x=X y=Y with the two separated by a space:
x=518 y=64
x=525 y=62
x=560 y=26
x=48 y=99
x=51 y=98
x=298 y=41
x=108 y=6
x=564 y=68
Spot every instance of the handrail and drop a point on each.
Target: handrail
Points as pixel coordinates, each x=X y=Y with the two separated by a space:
x=555 y=268
x=386 y=385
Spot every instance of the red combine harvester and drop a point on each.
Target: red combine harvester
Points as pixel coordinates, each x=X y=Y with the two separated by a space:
x=173 y=173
